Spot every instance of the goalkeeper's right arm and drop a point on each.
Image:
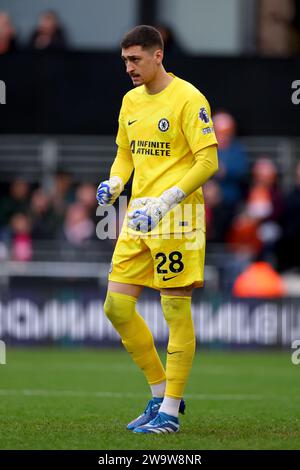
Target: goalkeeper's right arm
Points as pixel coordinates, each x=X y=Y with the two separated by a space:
x=108 y=191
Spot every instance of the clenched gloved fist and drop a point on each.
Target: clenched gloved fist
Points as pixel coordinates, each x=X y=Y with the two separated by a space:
x=108 y=191
x=148 y=211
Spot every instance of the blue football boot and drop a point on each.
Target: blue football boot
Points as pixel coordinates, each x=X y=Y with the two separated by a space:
x=162 y=424
x=150 y=413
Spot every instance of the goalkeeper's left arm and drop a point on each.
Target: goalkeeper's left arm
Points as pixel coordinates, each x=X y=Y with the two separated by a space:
x=205 y=167
x=148 y=211
x=108 y=191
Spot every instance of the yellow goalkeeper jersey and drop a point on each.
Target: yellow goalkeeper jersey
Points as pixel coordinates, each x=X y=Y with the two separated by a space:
x=163 y=132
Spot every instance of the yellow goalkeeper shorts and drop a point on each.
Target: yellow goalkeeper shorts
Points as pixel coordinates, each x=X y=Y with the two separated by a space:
x=160 y=263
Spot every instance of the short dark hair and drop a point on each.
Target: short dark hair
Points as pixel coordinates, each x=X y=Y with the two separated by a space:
x=143 y=35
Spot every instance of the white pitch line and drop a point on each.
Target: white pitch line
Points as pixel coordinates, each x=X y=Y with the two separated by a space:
x=223 y=397
x=82 y=393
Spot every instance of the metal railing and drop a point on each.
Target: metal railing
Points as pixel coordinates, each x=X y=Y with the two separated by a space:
x=88 y=158
x=38 y=158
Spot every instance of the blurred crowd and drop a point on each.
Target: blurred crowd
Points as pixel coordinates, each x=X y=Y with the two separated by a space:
x=48 y=34
x=29 y=214
x=251 y=220
x=246 y=208
x=276 y=32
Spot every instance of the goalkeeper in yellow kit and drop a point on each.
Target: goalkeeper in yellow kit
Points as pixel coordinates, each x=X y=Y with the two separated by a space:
x=166 y=137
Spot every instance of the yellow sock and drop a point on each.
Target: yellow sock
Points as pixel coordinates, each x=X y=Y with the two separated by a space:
x=135 y=334
x=182 y=343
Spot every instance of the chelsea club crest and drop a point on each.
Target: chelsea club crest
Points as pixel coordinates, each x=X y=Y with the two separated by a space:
x=163 y=125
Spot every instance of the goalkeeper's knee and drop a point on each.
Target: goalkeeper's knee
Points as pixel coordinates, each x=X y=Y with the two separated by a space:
x=177 y=310
x=119 y=308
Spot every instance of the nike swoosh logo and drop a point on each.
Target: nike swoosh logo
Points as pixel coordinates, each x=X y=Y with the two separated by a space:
x=131 y=122
x=168 y=278
x=174 y=352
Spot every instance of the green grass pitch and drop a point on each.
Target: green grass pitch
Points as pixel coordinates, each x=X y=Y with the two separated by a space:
x=83 y=399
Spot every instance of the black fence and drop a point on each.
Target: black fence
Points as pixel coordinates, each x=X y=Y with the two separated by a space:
x=81 y=92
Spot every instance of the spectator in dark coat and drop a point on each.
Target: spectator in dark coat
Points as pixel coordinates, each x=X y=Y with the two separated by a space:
x=16 y=202
x=49 y=34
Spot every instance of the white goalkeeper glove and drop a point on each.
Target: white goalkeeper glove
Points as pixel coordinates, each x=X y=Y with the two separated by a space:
x=108 y=191
x=148 y=211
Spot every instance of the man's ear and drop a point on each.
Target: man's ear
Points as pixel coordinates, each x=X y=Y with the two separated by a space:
x=159 y=56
